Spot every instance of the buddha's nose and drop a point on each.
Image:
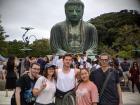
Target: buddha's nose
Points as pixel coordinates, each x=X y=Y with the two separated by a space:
x=74 y=12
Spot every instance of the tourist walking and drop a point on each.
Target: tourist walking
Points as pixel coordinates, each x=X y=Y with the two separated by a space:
x=125 y=65
x=134 y=76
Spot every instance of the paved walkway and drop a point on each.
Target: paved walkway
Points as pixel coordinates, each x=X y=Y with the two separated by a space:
x=129 y=98
x=5 y=100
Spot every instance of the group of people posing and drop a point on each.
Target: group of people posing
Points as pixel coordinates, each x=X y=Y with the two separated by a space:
x=69 y=85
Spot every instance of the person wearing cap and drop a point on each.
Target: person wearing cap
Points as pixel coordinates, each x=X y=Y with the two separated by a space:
x=45 y=86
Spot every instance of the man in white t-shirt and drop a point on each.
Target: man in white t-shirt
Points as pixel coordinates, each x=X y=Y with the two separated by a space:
x=66 y=82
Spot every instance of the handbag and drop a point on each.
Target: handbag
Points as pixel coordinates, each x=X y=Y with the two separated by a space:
x=13 y=100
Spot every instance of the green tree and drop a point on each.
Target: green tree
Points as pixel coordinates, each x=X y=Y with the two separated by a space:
x=3 y=44
x=40 y=47
x=118 y=32
x=14 y=48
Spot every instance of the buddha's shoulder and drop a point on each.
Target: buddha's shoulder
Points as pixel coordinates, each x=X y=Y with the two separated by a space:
x=88 y=25
x=60 y=24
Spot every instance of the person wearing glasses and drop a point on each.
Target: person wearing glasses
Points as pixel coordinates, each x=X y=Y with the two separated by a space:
x=107 y=81
x=23 y=93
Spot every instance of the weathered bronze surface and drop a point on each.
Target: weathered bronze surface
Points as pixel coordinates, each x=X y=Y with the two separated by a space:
x=74 y=35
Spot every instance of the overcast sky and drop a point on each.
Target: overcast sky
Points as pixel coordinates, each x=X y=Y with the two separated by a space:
x=43 y=14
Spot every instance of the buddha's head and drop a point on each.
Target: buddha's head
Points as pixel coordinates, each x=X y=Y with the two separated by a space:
x=74 y=10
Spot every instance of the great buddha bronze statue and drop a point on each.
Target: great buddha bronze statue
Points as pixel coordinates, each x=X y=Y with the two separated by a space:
x=74 y=35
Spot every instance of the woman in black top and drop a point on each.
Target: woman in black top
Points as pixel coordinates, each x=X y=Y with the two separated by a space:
x=11 y=75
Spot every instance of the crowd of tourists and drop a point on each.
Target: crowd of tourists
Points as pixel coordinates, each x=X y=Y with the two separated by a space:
x=68 y=79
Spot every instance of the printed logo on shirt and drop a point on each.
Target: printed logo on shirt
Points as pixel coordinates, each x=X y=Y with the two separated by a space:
x=28 y=96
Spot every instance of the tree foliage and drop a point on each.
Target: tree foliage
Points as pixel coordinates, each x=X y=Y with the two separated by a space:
x=14 y=48
x=118 y=32
x=3 y=44
x=40 y=47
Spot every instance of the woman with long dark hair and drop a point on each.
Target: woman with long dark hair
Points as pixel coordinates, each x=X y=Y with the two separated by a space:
x=11 y=76
x=134 y=76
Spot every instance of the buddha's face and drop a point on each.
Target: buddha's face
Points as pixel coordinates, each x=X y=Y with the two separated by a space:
x=74 y=12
